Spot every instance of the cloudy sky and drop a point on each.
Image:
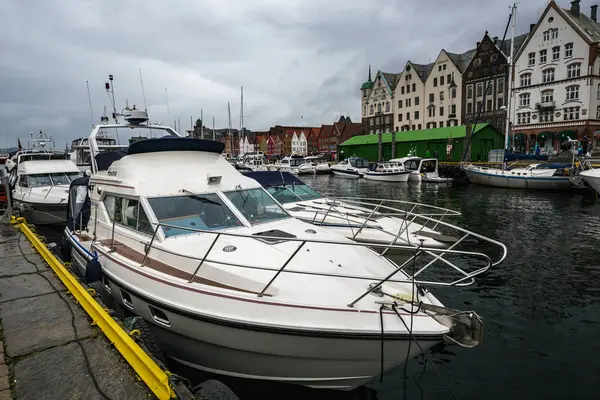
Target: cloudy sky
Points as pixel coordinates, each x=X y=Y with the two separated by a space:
x=294 y=57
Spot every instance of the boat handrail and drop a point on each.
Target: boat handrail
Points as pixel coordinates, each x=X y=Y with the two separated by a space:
x=480 y=262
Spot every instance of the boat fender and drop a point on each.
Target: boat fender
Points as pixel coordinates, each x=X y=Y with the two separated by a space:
x=93 y=271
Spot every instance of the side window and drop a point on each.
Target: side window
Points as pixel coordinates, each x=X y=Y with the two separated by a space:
x=128 y=212
x=23 y=181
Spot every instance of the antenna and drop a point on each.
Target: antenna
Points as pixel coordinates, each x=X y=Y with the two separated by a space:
x=143 y=92
x=229 y=129
x=90 y=101
x=110 y=90
x=168 y=107
x=202 y=124
x=213 y=128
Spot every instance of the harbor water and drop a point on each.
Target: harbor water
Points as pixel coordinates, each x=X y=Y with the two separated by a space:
x=541 y=307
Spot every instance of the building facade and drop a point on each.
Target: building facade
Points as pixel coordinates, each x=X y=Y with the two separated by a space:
x=408 y=95
x=377 y=95
x=557 y=81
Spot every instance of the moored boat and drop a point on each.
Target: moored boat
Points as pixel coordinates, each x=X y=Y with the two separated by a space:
x=232 y=284
x=549 y=176
x=352 y=167
x=592 y=178
x=387 y=172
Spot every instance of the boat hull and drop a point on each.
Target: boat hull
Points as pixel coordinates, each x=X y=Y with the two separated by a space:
x=388 y=177
x=318 y=360
x=414 y=177
x=346 y=173
x=518 y=182
x=592 y=179
x=42 y=214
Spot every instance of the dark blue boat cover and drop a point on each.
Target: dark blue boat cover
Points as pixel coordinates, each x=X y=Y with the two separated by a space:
x=273 y=178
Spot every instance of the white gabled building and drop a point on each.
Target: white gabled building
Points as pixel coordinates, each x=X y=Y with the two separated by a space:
x=299 y=143
x=245 y=146
x=377 y=105
x=557 y=80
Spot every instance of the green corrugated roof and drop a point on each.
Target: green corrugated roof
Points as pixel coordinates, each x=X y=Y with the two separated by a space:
x=455 y=132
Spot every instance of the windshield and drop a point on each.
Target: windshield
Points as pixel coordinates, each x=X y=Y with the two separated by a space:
x=295 y=162
x=256 y=205
x=206 y=212
x=359 y=163
x=293 y=193
x=37 y=180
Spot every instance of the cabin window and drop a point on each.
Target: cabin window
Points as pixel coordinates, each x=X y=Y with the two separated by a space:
x=256 y=205
x=39 y=180
x=127 y=212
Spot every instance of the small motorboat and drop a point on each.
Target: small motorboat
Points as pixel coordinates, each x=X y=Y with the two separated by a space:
x=306 y=169
x=422 y=169
x=40 y=181
x=387 y=172
x=291 y=164
x=352 y=167
x=231 y=283
x=321 y=167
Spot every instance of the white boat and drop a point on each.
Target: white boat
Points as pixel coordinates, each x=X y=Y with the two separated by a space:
x=320 y=166
x=256 y=164
x=352 y=167
x=550 y=176
x=40 y=180
x=80 y=150
x=232 y=284
x=291 y=164
x=388 y=172
x=592 y=178
x=422 y=169
x=306 y=169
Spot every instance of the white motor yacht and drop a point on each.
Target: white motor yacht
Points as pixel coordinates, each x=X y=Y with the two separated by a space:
x=320 y=166
x=549 y=176
x=352 y=167
x=232 y=284
x=80 y=150
x=422 y=169
x=291 y=164
x=592 y=178
x=387 y=172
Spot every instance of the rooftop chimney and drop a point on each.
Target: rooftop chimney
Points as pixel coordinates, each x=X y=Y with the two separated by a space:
x=531 y=26
x=575 y=8
x=594 y=13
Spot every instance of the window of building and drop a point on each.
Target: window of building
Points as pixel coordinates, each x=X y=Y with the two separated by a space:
x=546 y=35
x=598 y=113
x=441 y=96
x=547 y=96
x=408 y=101
x=543 y=56
x=479 y=90
x=525 y=79
x=441 y=111
x=364 y=110
x=434 y=82
x=489 y=105
x=524 y=99
x=416 y=115
x=453 y=110
x=419 y=127
x=402 y=90
x=387 y=119
x=400 y=117
x=431 y=97
x=548 y=75
x=453 y=92
x=598 y=92
x=417 y=101
x=371 y=121
x=490 y=87
x=379 y=107
x=546 y=115
x=523 y=118
x=531 y=58
x=554 y=32
x=371 y=110
x=469 y=108
x=442 y=80
x=478 y=109
x=407 y=116
x=431 y=111
x=500 y=85
x=407 y=89
x=470 y=91
x=568 y=50
x=573 y=70
x=448 y=78
x=444 y=67
x=571 y=113
x=364 y=93
x=399 y=103
x=573 y=92
x=414 y=87
x=555 y=53
x=387 y=106
x=499 y=102
x=439 y=67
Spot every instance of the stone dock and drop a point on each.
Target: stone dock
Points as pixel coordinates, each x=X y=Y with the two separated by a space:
x=48 y=347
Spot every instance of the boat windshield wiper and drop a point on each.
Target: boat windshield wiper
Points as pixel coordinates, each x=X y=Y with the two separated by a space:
x=198 y=197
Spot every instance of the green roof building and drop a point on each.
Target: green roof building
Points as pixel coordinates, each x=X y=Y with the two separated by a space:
x=484 y=139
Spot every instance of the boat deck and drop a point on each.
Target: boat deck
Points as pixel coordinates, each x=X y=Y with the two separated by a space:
x=45 y=334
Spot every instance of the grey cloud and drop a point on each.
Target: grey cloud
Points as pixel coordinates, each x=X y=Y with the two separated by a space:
x=294 y=58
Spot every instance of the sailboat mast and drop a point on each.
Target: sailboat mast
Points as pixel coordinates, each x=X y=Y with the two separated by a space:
x=229 y=129
x=513 y=16
x=242 y=118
